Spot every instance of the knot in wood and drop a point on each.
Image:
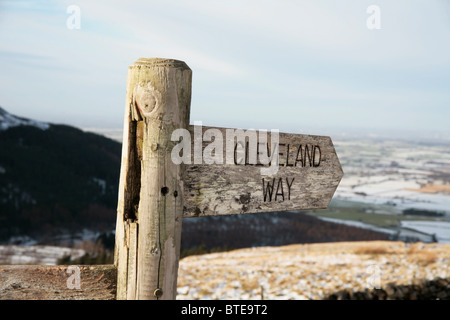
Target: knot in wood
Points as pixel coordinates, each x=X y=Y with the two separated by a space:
x=146 y=99
x=154 y=250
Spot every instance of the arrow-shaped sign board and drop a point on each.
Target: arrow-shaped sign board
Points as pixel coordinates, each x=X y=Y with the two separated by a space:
x=231 y=171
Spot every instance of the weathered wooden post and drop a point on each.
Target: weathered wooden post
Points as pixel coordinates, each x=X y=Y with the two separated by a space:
x=150 y=207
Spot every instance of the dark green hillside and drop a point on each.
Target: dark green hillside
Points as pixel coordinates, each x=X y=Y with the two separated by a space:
x=59 y=178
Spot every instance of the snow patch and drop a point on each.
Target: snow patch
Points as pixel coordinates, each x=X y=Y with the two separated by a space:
x=440 y=228
x=8 y=120
x=101 y=183
x=40 y=255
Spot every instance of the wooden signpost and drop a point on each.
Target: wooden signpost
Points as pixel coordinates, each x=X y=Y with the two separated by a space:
x=306 y=177
x=172 y=170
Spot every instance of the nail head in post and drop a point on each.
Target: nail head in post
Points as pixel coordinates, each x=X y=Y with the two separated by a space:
x=158 y=293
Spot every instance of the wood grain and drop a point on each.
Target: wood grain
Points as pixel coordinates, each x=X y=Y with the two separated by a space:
x=149 y=214
x=221 y=189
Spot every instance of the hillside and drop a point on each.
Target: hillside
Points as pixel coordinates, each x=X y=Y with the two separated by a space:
x=55 y=179
x=220 y=233
x=346 y=270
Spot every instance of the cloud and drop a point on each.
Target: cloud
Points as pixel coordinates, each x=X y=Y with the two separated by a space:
x=248 y=57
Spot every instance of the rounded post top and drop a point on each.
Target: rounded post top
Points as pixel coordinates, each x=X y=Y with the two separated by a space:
x=160 y=62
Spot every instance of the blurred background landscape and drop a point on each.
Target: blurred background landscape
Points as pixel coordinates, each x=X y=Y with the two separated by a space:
x=391 y=190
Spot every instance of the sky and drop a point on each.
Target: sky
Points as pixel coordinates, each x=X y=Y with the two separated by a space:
x=316 y=67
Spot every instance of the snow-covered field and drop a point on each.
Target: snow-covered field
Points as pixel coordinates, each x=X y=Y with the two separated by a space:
x=393 y=172
x=440 y=228
x=392 y=191
x=40 y=255
x=309 y=271
x=25 y=250
x=398 y=175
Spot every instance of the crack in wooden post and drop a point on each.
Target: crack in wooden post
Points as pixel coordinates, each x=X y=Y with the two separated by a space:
x=148 y=227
